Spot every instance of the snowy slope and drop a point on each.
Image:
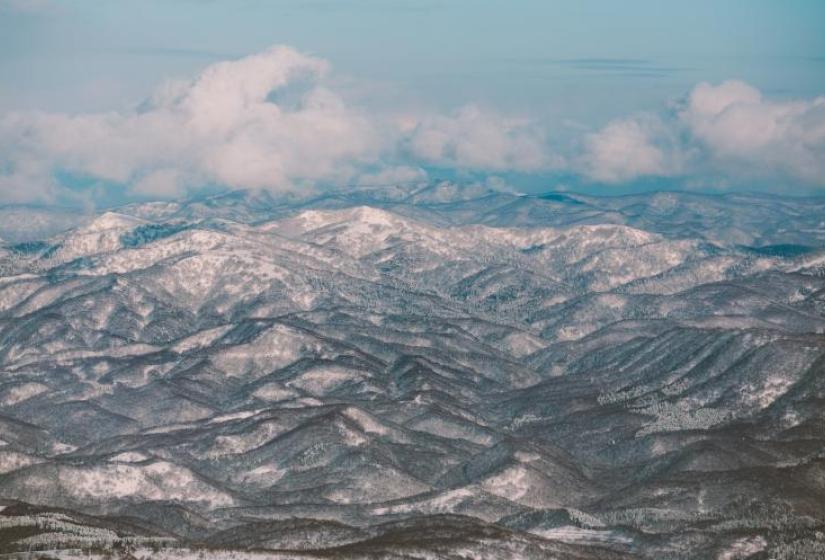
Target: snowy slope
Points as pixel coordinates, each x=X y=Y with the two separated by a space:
x=539 y=375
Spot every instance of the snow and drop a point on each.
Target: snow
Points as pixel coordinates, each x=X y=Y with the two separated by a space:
x=366 y=421
x=511 y=483
x=305 y=402
x=173 y=553
x=63 y=356
x=234 y=444
x=168 y=428
x=201 y=339
x=46 y=295
x=377 y=484
x=112 y=220
x=743 y=548
x=447 y=427
x=445 y=502
x=240 y=415
x=274 y=392
x=265 y=276
x=520 y=344
x=19 y=393
x=682 y=415
x=773 y=388
x=271 y=350
x=361 y=217
x=318 y=381
x=157 y=481
x=264 y=475
x=790 y=419
x=350 y=437
x=100 y=236
x=13 y=460
x=59 y=448
x=17 y=289
x=576 y=535
x=130 y=457
x=571 y=332
x=612 y=301
x=526 y=457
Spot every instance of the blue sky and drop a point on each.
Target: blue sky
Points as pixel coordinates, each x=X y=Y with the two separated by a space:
x=516 y=53
x=571 y=68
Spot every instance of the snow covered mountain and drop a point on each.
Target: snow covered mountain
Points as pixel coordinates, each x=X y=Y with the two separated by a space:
x=437 y=372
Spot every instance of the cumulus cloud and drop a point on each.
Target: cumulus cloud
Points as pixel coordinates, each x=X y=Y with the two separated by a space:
x=475 y=139
x=729 y=130
x=26 y=180
x=744 y=133
x=266 y=121
x=225 y=127
x=629 y=148
x=269 y=121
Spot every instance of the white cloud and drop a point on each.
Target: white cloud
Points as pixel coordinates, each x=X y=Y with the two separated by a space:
x=25 y=181
x=728 y=131
x=746 y=134
x=160 y=183
x=222 y=127
x=480 y=140
x=629 y=148
x=266 y=121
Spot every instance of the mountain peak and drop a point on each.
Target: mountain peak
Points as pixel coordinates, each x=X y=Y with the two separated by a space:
x=359 y=215
x=112 y=221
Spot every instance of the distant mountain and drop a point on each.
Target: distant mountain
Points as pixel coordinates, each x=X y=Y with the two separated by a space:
x=440 y=371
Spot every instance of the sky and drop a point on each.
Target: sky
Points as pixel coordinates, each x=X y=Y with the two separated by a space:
x=108 y=101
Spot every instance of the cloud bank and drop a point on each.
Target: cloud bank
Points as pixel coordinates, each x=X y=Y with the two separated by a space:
x=271 y=121
x=729 y=130
x=223 y=128
x=474 y=139
x=266 y=121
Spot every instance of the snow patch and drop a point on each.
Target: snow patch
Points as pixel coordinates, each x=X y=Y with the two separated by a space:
x=129 y=457
x=318 y=381
x=201 y=339
x=23 y=392
x=744 y=548
x=511 y=483
x=157 y=481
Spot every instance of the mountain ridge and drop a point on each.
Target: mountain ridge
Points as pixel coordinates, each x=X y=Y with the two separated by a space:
x=535 y=376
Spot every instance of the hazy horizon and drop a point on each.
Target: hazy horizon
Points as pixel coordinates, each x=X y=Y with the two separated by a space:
x=106 y=103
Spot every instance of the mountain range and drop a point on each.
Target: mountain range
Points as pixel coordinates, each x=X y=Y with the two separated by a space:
x=429 y=371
